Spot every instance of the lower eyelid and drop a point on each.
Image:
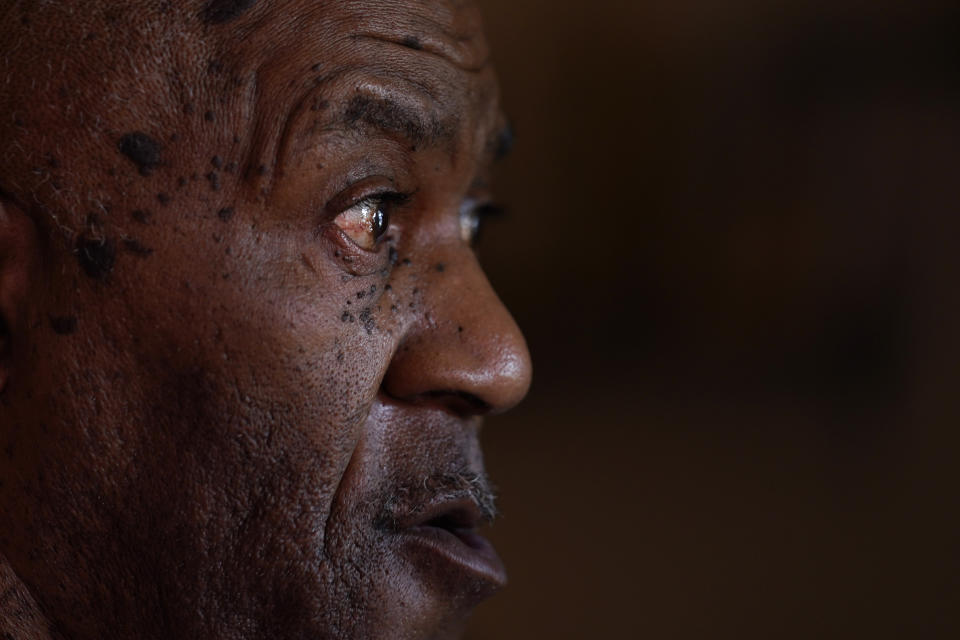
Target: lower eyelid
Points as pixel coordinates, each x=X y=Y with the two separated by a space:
x=349 y=256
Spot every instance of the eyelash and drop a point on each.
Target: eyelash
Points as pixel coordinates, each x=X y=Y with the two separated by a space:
x=387 y=197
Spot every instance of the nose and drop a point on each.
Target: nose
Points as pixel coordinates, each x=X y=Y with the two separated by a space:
x=461 y=348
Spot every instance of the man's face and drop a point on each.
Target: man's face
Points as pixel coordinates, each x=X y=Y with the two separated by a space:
x=247 y=374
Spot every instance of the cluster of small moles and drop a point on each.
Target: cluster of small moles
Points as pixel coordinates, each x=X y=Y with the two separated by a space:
x=96 y=252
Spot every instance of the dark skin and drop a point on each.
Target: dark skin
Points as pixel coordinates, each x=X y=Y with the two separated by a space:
x=246 y=343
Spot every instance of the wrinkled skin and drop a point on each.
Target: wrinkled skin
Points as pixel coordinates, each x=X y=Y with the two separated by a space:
x=214 y=400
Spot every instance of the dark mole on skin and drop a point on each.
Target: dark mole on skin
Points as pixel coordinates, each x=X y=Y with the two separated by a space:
x=216 y=161
x=142 y=150
x=141 y=216
x=406 y=262
x=225 y=214
x=96 y=256
x=63 y=325
x=412 y=42
x=163 y=198
x=440 y=267
x=221 y=11
x=366 y=317
x=208 y=116
x=133 y=246
x=214 y=179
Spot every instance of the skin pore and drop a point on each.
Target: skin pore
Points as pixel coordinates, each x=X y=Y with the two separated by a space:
x=246 y=344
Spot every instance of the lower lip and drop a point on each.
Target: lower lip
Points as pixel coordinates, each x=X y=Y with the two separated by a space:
x=465 y=549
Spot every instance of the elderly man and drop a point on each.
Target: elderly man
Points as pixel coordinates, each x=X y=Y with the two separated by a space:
x=246 y=345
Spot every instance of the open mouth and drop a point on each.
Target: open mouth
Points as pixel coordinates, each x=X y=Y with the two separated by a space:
x=448 y=533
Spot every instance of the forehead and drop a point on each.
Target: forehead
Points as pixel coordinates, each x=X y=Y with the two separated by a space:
x=421 y=67
x=258 y=77
x=426 y=56
x=447 y=28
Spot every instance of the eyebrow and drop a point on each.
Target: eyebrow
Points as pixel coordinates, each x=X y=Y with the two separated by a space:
x=398 y=119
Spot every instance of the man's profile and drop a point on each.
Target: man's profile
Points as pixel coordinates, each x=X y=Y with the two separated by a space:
x=245 y=343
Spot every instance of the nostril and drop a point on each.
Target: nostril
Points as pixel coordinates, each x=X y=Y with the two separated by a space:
x=460 y=402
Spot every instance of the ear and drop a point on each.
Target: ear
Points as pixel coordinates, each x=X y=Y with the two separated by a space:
x=18 y=248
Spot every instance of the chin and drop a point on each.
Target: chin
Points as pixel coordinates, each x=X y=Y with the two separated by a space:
x=420 y=582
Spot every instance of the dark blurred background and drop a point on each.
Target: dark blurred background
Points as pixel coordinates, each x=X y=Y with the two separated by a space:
x=733 y=248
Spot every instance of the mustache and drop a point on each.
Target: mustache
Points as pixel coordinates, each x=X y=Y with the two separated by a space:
x=414 y=495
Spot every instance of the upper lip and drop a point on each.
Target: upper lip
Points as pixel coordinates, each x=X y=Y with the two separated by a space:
x=449 y=513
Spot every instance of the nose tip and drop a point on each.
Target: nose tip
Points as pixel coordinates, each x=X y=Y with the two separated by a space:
x=465 y=352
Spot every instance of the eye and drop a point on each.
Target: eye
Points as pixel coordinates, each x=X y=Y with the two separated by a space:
x=366 y=221
x=472 y=216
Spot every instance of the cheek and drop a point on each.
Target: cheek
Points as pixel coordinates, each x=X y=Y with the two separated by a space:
x=218 y=411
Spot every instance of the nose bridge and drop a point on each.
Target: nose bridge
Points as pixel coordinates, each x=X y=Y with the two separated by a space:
x=462 y=347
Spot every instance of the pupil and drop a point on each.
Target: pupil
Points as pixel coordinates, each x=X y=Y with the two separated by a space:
x=380 y=222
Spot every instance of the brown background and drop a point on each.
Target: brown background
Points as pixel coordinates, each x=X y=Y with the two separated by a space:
x=732 y=245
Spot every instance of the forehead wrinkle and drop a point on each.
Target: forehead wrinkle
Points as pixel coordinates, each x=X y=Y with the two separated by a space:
x=450 y=30
x=277 y=107
x=446 y=54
